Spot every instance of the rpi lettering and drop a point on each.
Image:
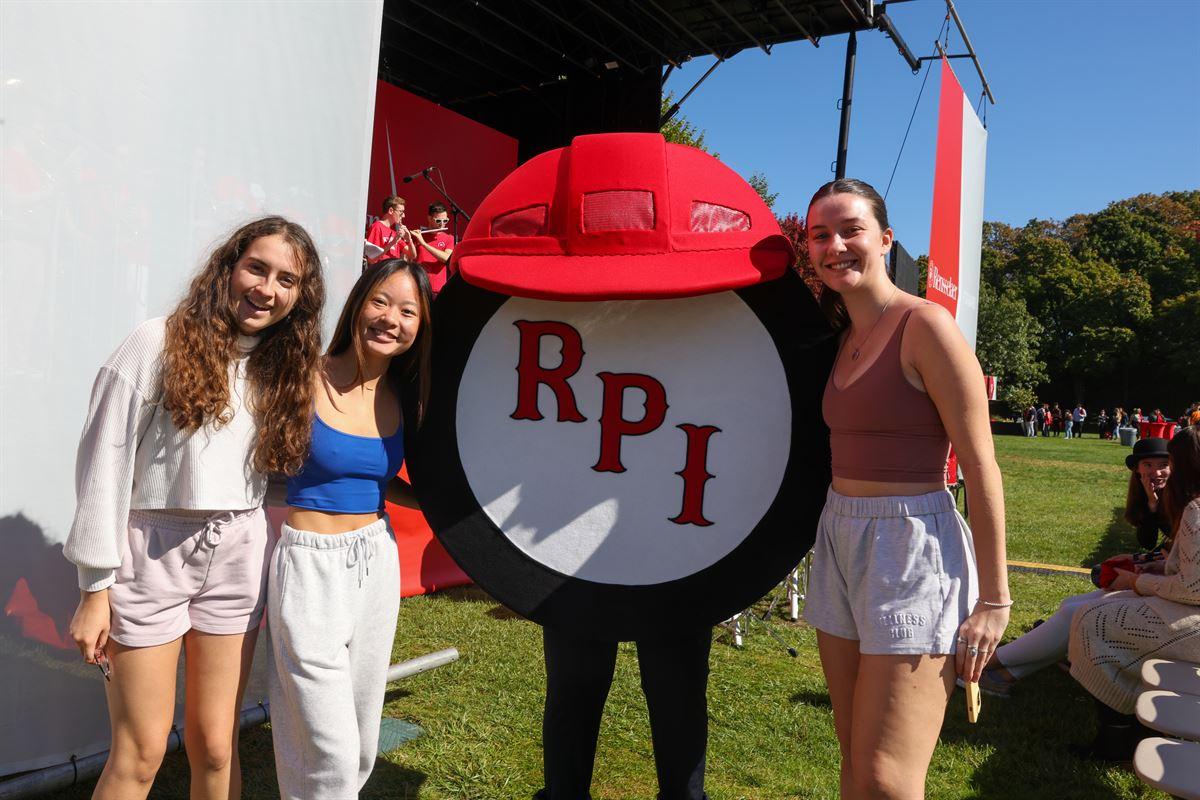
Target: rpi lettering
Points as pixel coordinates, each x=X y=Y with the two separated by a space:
x=614 y=427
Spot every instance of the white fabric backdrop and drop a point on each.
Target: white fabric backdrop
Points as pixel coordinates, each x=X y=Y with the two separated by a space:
x=134 y=136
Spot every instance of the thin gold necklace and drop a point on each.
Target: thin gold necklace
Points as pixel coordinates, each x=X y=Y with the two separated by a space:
x=854 y=353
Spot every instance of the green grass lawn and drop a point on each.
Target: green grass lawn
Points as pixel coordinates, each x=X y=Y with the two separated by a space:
x=771 y=731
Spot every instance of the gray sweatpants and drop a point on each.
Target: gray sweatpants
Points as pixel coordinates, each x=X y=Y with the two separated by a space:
x=332 y=602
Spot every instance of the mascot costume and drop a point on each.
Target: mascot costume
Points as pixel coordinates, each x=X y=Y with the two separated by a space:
x=624 y=439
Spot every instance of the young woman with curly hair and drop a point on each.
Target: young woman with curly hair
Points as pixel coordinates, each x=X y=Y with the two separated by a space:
x=334 y=589
x=186 y=420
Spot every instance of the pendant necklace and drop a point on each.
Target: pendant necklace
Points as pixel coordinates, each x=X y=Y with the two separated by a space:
x=854 y=353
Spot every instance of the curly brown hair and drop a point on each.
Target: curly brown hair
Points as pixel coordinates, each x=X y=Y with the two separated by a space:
x=201 y=342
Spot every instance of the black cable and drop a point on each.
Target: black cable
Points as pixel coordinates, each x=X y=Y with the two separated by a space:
x=906 y=130
x=913 y=116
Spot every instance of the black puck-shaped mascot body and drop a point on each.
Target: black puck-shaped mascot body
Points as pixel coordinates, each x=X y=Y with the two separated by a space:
x=624 y=433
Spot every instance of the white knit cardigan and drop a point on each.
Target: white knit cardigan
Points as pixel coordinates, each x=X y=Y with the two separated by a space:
x=131 y=455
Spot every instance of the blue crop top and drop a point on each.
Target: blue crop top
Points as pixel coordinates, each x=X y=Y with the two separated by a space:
x=345 y=473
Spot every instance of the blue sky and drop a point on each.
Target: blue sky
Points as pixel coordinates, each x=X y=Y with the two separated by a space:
x=1096 y=101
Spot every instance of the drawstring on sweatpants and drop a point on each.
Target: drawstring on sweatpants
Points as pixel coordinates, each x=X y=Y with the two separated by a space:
x=212 y=536
x=362 y=550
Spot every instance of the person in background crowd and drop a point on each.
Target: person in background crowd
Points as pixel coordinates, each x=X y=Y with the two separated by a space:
x=1157 y=416
x=1040 y=418
x=1056 y=425
x=1051 y=420
x=1030 y=418
x=1194 y=414
x=898 y=600
x=1078 y=418
x=1158 y=617
x=433 y=248
x=1102 y=424
x=1046 y=644
x=186 y=421
x=389 y=234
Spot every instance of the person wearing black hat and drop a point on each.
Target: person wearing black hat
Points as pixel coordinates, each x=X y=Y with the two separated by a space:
x=1148 y=474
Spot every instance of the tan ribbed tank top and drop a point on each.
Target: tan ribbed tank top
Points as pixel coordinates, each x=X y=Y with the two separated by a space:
x=881 y=427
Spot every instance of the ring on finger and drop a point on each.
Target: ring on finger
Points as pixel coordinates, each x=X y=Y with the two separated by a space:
x=973 y=650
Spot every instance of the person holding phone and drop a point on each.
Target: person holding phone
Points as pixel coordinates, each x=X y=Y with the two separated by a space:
x=187 y=418
x=904 y=596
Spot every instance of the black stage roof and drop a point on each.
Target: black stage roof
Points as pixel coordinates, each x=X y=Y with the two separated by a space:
x=455 y=51
x=543 y=71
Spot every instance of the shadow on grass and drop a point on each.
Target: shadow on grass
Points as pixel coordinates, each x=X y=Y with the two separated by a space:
x=392 y=695
x=473 y=594
x=259 y=782
x=1030 y=737
x=811 y=697
x=1118 y=538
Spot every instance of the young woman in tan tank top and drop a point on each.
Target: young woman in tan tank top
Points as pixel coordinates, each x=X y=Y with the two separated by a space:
x=889 y=689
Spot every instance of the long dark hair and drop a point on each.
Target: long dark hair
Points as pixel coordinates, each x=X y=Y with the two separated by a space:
x=1137 y=504
x=413 y=365
x=201 y=341
x=1183 y=485
x=831 y=301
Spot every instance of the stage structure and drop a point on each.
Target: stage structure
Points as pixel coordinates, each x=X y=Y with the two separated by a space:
x=544 y=71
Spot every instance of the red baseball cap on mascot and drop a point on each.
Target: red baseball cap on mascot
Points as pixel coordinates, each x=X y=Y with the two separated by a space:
x=622 y=216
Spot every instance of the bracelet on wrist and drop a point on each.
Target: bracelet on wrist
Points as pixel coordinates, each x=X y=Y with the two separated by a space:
x=993 y=604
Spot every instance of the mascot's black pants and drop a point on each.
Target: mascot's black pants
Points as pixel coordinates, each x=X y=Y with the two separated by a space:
x=579 y=673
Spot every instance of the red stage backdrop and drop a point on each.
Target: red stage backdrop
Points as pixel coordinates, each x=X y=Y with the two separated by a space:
x=411 y=134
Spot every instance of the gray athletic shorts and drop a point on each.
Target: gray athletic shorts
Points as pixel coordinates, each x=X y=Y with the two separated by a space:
x=897 y=574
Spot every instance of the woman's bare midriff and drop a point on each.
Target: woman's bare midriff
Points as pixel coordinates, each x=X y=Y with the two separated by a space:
x=851 y=487
x=328 y=522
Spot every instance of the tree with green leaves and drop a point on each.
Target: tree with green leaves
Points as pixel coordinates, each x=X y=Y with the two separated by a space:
x=1007 y=343
x=1117 y=294
x=680 y=130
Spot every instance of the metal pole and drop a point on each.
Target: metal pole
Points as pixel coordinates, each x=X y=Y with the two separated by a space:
x=415 y=666
x=847 y=100
x=974 y=58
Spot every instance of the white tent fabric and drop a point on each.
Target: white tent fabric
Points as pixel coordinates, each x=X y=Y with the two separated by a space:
x=135 y=136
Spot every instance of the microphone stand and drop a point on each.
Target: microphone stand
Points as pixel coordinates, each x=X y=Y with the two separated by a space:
x=455 y=210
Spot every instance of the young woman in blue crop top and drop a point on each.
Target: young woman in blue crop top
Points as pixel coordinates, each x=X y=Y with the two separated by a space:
x=904 y=597
x=334 y=586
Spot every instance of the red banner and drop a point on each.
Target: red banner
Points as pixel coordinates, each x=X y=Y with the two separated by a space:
x=956 y=232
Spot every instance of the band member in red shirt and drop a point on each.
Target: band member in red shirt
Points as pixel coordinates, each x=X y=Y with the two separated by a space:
x=433 y=248
x=389 y=234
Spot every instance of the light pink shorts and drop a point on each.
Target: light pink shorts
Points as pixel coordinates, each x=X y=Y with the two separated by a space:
x=180 y=572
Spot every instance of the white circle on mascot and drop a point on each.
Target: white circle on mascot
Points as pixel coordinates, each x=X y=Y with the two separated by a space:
x=534 y=479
